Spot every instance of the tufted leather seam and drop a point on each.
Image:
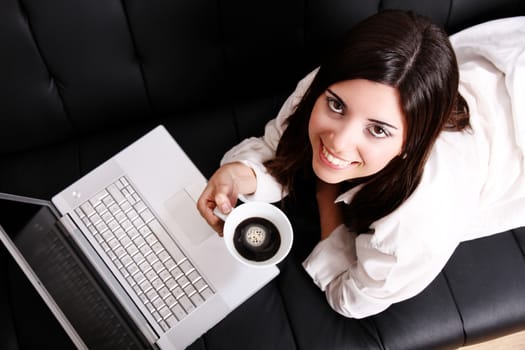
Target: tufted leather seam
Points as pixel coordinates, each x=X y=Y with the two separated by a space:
x=378 y=332
x=449 y=14
x=52 y=78
x=285 y=309
x=221 y=38
x=138 y=57
x=518 y=243
x=456 y=305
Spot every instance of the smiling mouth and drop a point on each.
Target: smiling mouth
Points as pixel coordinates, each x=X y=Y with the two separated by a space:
x=333 y=161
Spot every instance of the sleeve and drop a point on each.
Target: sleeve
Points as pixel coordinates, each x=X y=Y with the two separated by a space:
x=351 y=272
x=364 y=274
x=254 y=151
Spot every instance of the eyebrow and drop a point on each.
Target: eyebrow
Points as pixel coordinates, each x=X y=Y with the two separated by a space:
x=340 y=100
x=382 y=123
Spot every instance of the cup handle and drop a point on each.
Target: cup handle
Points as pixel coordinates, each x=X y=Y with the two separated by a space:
x=219 y=214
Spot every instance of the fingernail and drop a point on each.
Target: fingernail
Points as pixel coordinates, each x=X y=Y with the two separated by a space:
x=226 y=208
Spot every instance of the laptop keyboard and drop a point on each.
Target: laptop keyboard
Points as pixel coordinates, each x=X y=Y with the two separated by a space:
x=169 y=285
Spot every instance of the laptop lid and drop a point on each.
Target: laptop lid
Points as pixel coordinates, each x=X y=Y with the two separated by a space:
x=38 y=242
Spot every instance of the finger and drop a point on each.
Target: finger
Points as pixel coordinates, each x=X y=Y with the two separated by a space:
x=217 y=225
x=223 y=202
x=213 y=221
x=205 y=197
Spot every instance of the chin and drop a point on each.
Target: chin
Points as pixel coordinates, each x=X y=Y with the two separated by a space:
x=328 y=177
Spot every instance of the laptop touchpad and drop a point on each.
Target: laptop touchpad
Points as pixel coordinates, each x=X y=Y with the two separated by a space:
x=183 y=209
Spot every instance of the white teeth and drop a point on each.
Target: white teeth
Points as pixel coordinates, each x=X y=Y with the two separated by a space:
x=335 y=161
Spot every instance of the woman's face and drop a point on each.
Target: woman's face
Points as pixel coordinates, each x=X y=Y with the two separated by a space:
x=356 y=128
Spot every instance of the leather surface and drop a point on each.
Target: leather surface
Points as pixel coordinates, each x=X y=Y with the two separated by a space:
x=81 y=79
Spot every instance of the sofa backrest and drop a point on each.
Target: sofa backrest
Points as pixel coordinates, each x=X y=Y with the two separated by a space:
x=71 y=68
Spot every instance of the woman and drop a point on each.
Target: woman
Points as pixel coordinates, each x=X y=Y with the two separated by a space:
x=371 y=124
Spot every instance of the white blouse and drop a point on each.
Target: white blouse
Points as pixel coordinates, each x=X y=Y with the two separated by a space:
x=473 y=183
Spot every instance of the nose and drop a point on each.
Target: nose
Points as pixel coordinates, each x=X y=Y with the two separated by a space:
x=346 y=141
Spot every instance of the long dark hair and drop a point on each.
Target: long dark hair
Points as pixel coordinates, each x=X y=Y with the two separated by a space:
x=402 y=50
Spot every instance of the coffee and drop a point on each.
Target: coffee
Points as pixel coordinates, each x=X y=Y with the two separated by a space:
x=257 y=239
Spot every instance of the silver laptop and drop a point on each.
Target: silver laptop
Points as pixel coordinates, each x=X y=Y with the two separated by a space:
x=122 y=257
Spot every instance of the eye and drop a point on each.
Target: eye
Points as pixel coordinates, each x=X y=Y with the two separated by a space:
x=335 y=105
x=378 y=131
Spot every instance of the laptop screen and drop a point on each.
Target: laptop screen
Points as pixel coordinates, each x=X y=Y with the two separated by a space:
x=34 y=231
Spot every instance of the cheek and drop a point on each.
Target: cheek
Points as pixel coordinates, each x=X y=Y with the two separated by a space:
x=315 y=124
x=319 y=122
x=381 y=155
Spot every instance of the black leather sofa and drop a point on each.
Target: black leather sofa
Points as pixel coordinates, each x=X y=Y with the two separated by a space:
x=81 y=79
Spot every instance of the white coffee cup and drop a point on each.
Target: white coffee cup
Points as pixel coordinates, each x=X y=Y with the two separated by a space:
x=257 y=233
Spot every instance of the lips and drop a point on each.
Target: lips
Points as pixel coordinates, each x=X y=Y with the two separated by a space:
x=332 y=160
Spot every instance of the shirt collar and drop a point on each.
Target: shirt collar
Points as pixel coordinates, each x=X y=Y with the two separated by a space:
x=348 y=195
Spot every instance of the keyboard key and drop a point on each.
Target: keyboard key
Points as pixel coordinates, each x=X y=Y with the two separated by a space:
x=163 y=255
x=197 y=299
x=200 y=284
x=120 y=216
x=139 y=241
x=170 y=264
x=151 y=307
x=177 y=292
x=87 y=208
x=171 y=321
x=147 y=215
x=157 y=284
x=150 y=274
x=183 y=281
x=193 y=276
x=186 y=267
x=170 y=301
x=206 y=293
x=95 y=218
x=163 y=325
x=157 y=228
x=186 y=304
x=116 y=194
x=132 y=214
x=98 y=197
x=178 y=311
x=145 y=285
x=170 y=283
x=164 y=312
x=164 y=293
x=145 y=249
x=80 y=213
x=189 y=290
x=139 y=205
x=139 y=278
x=177 y=273
x=158 y=303
x=114 y=208
x=158 y=266
x=124 y=181
x=138 y=222
x=164 y=275
x=108 y=201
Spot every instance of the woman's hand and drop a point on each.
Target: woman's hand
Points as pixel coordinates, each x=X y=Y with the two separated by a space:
x=222 y=191
x=330 y=214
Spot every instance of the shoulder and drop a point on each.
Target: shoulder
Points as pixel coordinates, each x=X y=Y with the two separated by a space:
x=439 y=211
